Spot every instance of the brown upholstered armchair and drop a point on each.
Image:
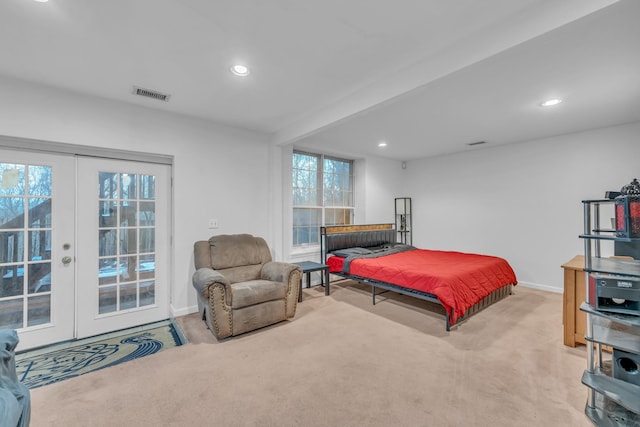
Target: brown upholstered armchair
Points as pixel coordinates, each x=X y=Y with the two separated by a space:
x=239 y=288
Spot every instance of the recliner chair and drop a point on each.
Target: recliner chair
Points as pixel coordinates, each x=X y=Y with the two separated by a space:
x=239 y=287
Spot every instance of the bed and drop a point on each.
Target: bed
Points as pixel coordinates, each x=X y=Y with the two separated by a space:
x=462 y=283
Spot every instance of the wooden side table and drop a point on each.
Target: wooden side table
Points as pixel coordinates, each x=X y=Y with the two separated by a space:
x=575 y=293
x=307 y=268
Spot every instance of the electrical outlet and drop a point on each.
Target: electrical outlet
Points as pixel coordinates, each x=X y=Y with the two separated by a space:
x=213 y=223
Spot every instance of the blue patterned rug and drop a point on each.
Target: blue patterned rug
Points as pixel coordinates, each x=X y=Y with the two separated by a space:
x=59 y=362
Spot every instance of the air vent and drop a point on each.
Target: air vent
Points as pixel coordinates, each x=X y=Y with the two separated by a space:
x=151 y=94
x=471 y=144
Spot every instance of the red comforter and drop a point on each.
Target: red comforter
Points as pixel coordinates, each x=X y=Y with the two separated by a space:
x=458 y=280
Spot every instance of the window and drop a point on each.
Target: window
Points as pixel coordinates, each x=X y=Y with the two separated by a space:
x=322 y=195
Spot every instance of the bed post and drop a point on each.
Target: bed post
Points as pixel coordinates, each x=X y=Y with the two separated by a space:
x=322 y=260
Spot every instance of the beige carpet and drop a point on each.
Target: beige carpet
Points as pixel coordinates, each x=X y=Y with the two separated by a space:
x=344 y=362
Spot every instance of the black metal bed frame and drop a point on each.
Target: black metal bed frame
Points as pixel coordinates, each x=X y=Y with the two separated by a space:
x=385 y=232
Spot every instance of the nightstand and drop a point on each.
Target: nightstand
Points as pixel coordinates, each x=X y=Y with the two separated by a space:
x=309 y=267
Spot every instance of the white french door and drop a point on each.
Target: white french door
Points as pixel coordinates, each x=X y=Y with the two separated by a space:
x=37 y=247
x=123 y=246
x=84 y=246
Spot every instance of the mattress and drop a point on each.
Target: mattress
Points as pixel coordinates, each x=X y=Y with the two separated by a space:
x=458 y=280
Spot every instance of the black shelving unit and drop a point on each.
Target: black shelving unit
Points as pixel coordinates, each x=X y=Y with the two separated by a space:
x=404 y=221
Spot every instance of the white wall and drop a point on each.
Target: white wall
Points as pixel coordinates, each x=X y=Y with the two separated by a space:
x=521 y=201
x=383 y=181
x=219 y=172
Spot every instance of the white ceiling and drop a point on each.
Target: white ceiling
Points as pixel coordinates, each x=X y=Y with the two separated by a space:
x=426 y=76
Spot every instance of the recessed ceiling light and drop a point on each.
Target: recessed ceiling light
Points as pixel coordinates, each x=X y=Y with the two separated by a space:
x=42 y=1
x=240 y=70
x=551 y=102
x=382 y=144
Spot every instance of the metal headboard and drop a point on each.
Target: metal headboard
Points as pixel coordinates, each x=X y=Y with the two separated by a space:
x=348 y=236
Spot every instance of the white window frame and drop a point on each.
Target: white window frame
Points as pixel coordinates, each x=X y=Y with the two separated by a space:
x=320 y=197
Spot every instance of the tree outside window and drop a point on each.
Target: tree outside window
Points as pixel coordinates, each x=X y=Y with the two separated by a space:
x=322 y=195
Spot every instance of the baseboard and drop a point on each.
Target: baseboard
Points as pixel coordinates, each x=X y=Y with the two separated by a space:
x=177 y=312
x=541 y=287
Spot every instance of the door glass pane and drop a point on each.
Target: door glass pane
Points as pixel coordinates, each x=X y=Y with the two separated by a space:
x=39 y=180
x=147 y=214
x=12 y=280
x=128 y=214
x=147 y=267
x=147 y=243
x=107 y=271
x=108 y=241
x=39 y=310
x=39 y=245
x=128 y=186
x=11 y=179
x=11 y=313
x=11 y=212
x=107 y=185
x=39 y=277
x=128 y=267
x=127 y=246
x=25 y=211
x=107 y=299
x=40 y=212
x=147 y=187
x=128 y=296
x=128 y=241
x=147 y=293
x=107 y=213
x=11 y=246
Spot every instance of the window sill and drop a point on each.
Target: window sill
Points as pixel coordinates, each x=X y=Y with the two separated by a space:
x=298 y=254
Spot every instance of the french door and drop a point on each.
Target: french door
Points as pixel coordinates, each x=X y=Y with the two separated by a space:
x=123 y=246
x=37 y=246
x=84 y=245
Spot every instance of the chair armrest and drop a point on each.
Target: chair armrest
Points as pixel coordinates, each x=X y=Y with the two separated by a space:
x=278 y=271
x=205 y=277
x=290 y=275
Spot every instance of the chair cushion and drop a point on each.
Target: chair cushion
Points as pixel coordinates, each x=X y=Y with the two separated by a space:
x=237 y=250
x=243 y=273
x=256 y=291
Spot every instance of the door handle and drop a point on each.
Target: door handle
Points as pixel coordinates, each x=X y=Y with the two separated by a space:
x=66 y=260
